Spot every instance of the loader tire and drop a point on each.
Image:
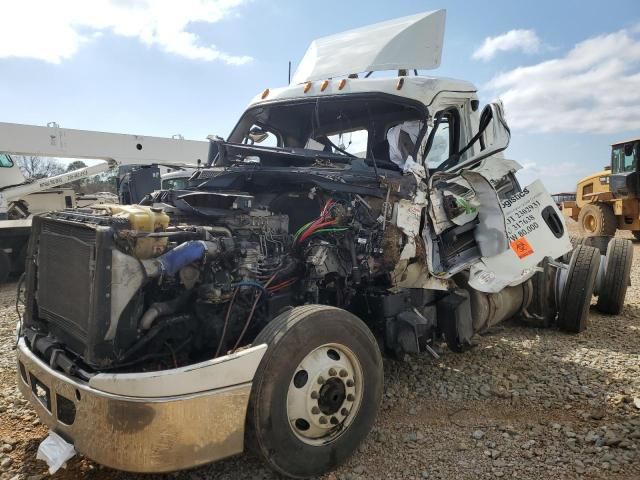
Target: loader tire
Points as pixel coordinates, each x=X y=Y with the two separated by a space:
x=597 y=219
x=316 y=392
x=578 y=289
x=601 y=242
x=617 y=276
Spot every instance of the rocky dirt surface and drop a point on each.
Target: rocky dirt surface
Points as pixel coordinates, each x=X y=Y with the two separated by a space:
x=525 y=403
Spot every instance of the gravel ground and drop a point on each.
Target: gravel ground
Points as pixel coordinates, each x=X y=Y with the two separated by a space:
x=525 y=403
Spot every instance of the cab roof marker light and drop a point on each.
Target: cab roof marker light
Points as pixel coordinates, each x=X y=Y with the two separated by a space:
x=324 y=85
x=307 y=87
x=265 y=93
x=342 y=83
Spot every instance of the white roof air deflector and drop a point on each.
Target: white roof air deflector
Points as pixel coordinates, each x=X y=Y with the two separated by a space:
x=413 y=42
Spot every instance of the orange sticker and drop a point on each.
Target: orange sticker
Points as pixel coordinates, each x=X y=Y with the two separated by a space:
x=522 y=247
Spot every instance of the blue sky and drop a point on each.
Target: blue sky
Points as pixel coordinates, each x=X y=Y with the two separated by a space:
x=569 y=74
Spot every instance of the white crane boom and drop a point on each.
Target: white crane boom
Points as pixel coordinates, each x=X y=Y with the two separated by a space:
x=114 y=148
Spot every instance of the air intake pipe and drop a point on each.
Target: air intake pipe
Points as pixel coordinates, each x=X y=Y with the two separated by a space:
x=184 y=254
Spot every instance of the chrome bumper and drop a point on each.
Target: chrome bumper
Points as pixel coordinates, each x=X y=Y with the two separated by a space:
x=141 y=433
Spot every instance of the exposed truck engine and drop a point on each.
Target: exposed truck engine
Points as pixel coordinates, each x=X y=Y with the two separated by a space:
x=197 y=274
x=154 y=294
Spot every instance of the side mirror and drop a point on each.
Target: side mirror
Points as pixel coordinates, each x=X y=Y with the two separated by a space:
x=494 y=131
x=257 y=134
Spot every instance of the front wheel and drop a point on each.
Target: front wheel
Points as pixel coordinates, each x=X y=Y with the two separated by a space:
x=597 y=219
x=316 y=392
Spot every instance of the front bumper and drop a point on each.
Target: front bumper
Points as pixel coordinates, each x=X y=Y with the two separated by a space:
x=145 y=433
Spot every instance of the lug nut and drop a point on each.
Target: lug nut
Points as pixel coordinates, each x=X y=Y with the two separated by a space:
x=350 y=383
x=315 y=410
x=322 y=420
x=314 y=395
x=350 y=398
x=343 y=373
x=344 y=412
x=321 y=380
x=332 y=372
x=334 y=421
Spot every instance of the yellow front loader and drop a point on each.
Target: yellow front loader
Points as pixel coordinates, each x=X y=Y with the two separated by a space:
x=609 y=200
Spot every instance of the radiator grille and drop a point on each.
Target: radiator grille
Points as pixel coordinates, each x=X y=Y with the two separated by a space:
x=66 y=255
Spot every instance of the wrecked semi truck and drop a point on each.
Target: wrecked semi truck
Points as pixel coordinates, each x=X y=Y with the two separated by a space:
x=344 y=217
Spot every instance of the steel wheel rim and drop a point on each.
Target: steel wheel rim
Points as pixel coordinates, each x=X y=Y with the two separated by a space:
x=589 y=223
x=325 y=394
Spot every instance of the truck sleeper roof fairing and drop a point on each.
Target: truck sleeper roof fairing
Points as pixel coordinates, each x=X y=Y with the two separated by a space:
x=413 y=42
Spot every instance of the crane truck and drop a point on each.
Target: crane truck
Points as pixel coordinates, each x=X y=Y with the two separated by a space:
x=20 y=199
x=346 y=216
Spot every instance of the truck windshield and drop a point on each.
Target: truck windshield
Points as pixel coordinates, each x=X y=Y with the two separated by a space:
x=5 y=161
x=624 y=158
x=353 y=126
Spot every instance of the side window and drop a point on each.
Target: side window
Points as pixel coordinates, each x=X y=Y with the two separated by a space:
x=5 y=161
x=629 y=159
x=623 y=158
x=441 y=146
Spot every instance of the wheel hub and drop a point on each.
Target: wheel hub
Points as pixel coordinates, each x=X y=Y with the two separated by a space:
x=324 y=394
x=332 y=396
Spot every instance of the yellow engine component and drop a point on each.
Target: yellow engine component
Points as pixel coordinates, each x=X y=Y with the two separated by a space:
x=142 y=219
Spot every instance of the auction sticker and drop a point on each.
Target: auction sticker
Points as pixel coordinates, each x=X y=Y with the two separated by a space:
x=522 y=247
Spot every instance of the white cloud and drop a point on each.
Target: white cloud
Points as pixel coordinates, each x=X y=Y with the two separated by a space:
x=556 y=169
x=593 y=88
x=523 y=40
x=557 y=176
x=54 y=30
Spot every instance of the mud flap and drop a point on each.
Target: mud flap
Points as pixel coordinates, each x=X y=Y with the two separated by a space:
x=455 y=321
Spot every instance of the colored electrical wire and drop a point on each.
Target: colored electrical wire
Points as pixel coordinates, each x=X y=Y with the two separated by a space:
x=304 y=231
x=226 y=322
x=329 y=230
x=253 y=308
x=314 y=227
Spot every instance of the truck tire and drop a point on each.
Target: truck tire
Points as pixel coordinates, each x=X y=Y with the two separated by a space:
x=316 y=392
x=616 y=278
x=597 y=219
x=578 y=289
x=601 y=242
x=5 y=266
x=575 y=241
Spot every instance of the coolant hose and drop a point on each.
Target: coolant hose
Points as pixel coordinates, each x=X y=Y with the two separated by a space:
x=159 y=309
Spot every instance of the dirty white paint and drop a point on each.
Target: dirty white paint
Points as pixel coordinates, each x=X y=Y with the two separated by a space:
x=226 y=371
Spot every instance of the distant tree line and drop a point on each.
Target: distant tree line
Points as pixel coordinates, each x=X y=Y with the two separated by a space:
x=34 y=168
